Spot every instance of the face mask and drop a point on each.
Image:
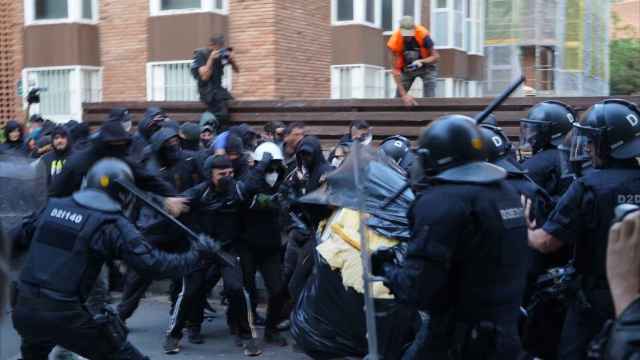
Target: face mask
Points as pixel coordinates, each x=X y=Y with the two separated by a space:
x=127 y=126
x=171 y=152
x=271 y=178
x=225 y=184
x=367 y=140
x=336 y=162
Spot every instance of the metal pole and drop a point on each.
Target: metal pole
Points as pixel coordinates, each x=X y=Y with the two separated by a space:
x=369 y=306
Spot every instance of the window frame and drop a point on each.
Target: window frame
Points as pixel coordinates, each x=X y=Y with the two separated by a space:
x=397 y=14
x=476 y=35
x=227 y=80
x=359 y=77
x=359 y=14
x=75 y=85
x=74 y=14
x=206 y=6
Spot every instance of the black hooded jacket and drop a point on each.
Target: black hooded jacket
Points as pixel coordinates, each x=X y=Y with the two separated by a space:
x=141 y=138
x=78 y=134
x=16 y=148
x=319 y=166
x=55 y=159
x=79 y=163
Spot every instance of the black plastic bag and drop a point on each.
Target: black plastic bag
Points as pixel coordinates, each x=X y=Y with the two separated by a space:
x=329 y=321
x=382 y=178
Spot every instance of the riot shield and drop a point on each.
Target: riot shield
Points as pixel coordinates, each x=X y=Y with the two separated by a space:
x=23 y=190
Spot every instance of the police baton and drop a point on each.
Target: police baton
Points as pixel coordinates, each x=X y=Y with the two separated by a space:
x=225 y=257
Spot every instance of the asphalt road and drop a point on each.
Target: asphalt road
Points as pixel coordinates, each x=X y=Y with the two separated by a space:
x=148 y=326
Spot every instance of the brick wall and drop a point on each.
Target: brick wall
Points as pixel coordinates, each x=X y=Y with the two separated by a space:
x=7 y=70
x=15 y=18
x=628 y=14
x=123 y=49
x=252 y=35
x=303 y=31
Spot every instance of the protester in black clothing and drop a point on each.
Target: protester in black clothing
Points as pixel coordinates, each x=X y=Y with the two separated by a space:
x=292 y=136
x=14 y=140
x=56 y=159
x=208 y=69
x=78 y=134
x=274 y=132
x=214 y=207
x=152 y=121
x=110 y=141
x=190 y=137
x=235 y=150
x=261 y=245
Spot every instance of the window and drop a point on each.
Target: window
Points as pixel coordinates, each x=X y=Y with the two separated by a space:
x=172 y=81
x=66 y=89
x=393 y=10
x=60 y=11
x=51 y=9
x=362 y=12
x=357 y=81
x=458 y=24
x=180 y=4
x=172 y=7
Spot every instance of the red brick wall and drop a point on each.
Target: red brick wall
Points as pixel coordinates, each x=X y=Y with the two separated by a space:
x=7 y=70
x=15 y=20
x=123 y=49
x=628 y=15
x=252 y=35
x=304 y=49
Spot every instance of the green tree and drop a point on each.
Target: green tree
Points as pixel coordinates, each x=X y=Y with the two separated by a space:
x=624 y=62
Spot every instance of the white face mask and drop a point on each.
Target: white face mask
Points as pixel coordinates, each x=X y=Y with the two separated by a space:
x=127 y=126
x=336 y=162
x=367 y=140
x=271 y=178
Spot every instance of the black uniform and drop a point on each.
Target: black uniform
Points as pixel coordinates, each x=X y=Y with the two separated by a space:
x=211 y=91
x=466 y=264
x=216 y=214
x=260 y=248
x=582 y=218
x=69 y=244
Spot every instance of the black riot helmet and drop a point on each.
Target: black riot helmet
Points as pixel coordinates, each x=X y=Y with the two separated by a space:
x=161 y=136
x=545 y=126
x=610 y=129
x=498 y=148
x=396 y=147
x=106 y=175
x=451 y=149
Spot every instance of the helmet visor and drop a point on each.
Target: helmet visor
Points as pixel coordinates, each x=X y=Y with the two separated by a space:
x=584 y=143
x=530 y=133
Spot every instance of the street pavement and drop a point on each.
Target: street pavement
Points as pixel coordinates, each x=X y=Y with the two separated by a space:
x=147 y=329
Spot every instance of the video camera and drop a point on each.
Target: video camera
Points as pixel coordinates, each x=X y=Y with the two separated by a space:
x=33 y=97
x=225 y=55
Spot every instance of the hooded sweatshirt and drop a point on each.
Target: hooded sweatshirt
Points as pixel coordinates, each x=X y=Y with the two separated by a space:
x=16 y=148
x=56 y=159
x=141 y=138
x=319 y=165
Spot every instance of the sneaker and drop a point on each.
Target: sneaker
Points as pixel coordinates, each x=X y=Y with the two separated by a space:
x=284 y=325
x=194 y=335
x=251 y=348
x=171 y=345
x=274 y=338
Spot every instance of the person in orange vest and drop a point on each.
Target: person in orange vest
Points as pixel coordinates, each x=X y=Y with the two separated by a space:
x=414 y=56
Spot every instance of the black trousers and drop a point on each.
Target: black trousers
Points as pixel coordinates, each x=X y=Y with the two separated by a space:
x=44 y=323
x=582 y=325
x=191 y=300
x=270 y=266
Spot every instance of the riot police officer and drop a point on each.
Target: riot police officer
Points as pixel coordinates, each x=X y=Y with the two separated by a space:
x=540 y=133
x=466 y=261
x=69 y=242
x=398 y=148
x=608 y=134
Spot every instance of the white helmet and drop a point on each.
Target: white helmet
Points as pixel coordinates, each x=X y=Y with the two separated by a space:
x=268 y=147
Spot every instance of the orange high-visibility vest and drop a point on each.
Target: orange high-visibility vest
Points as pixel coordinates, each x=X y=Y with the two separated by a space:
x=396 y=45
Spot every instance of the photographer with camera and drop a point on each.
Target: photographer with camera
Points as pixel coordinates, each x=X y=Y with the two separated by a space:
x=414 y=56
x=208 y=68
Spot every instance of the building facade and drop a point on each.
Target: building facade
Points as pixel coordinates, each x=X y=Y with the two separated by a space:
x=626 y=19
x=562 y=46
x=139 y=50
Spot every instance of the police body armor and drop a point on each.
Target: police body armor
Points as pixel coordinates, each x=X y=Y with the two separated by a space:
x=544 y=169
x=609 y=188
x=59 y=264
